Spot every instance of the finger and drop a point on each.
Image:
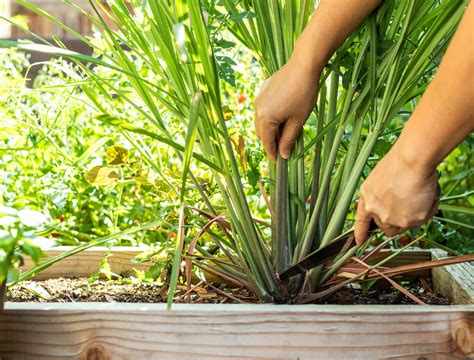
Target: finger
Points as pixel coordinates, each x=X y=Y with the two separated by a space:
x=434 y=209
x=290 y=133
x=391 y=230
x=388 y=229
x=268 y=138
x=362 y=223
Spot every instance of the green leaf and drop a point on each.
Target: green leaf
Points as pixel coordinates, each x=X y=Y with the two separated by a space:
x=117 y=155
x=454 y=222
x=102 y=176
x=457 y=208
x=37 y=290
x=32 y=251
x=382 y=147
x=243 y=15
x=91 y=150
x=13 y=275
x=190 y=140
x=224 y=44
x=173 y=280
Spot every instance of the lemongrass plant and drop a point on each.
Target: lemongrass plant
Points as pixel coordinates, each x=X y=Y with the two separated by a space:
x=390 y=56
x=397 y=50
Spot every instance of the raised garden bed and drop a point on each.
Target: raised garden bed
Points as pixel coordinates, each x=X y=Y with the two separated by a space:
x=207 y=331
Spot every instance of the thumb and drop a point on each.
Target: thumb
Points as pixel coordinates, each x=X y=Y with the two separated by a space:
x=290 y=133
x=362 y=223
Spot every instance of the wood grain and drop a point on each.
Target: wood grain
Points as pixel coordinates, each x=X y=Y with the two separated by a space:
x=409 y=256
x=135 y=331
x=87 y=262
x=454 y=281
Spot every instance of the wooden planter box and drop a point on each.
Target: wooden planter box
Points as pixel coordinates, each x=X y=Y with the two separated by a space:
x=149 y=331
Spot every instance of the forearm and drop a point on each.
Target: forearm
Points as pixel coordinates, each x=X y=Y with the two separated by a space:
x=333 y=21
x=445 y=114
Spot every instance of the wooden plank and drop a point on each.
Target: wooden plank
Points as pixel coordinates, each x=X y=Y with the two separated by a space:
x=409 y=256
x=137 y=331
x=454 y=281
x=87 y=262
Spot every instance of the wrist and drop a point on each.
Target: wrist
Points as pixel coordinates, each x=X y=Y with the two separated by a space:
x=308 y=58
x=414 y=156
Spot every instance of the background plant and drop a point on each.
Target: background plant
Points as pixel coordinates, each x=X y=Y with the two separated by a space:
x=19 y=235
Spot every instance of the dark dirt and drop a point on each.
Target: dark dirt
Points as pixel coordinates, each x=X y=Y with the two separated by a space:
x=382 y=294
x=77 y=290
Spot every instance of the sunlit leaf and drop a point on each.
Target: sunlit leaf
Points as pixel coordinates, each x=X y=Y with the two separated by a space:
x=117 y=155
x=102 y=176
x=31 y=217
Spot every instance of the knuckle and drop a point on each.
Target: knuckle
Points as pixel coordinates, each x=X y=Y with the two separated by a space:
x=385 y=218
x=421 y=217
x=390 y=230
x=372 y=208
x=404 y=222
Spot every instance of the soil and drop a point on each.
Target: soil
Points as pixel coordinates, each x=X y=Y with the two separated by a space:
x=386 y=295
x=81 y=289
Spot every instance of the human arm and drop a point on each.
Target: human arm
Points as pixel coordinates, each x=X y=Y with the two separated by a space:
x=402 y=190
x=289 y=95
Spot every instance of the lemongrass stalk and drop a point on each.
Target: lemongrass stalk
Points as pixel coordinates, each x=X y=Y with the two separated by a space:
x=339 y=214
x=338 y=263
x=301 y=194
x=352 y=152
x=292 y=193
x=317 y=162
x=311 y=228
x=282 y=212
x=329 y=138
x=307 y=242
x=333 y=193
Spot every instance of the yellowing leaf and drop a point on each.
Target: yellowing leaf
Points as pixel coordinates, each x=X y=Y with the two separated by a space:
x=20 y=20
x=239 y=146
x=242 y=153
x=227 y=112
x=102 y=176
x=117 y=155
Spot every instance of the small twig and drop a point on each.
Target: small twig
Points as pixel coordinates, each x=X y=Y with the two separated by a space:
x=189 y=291
x=224 y=293
x=376 y=250
x=394 y=283
x=192 y=245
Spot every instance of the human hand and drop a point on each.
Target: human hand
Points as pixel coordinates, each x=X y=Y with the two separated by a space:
x=287 y=98
x=397 y=196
